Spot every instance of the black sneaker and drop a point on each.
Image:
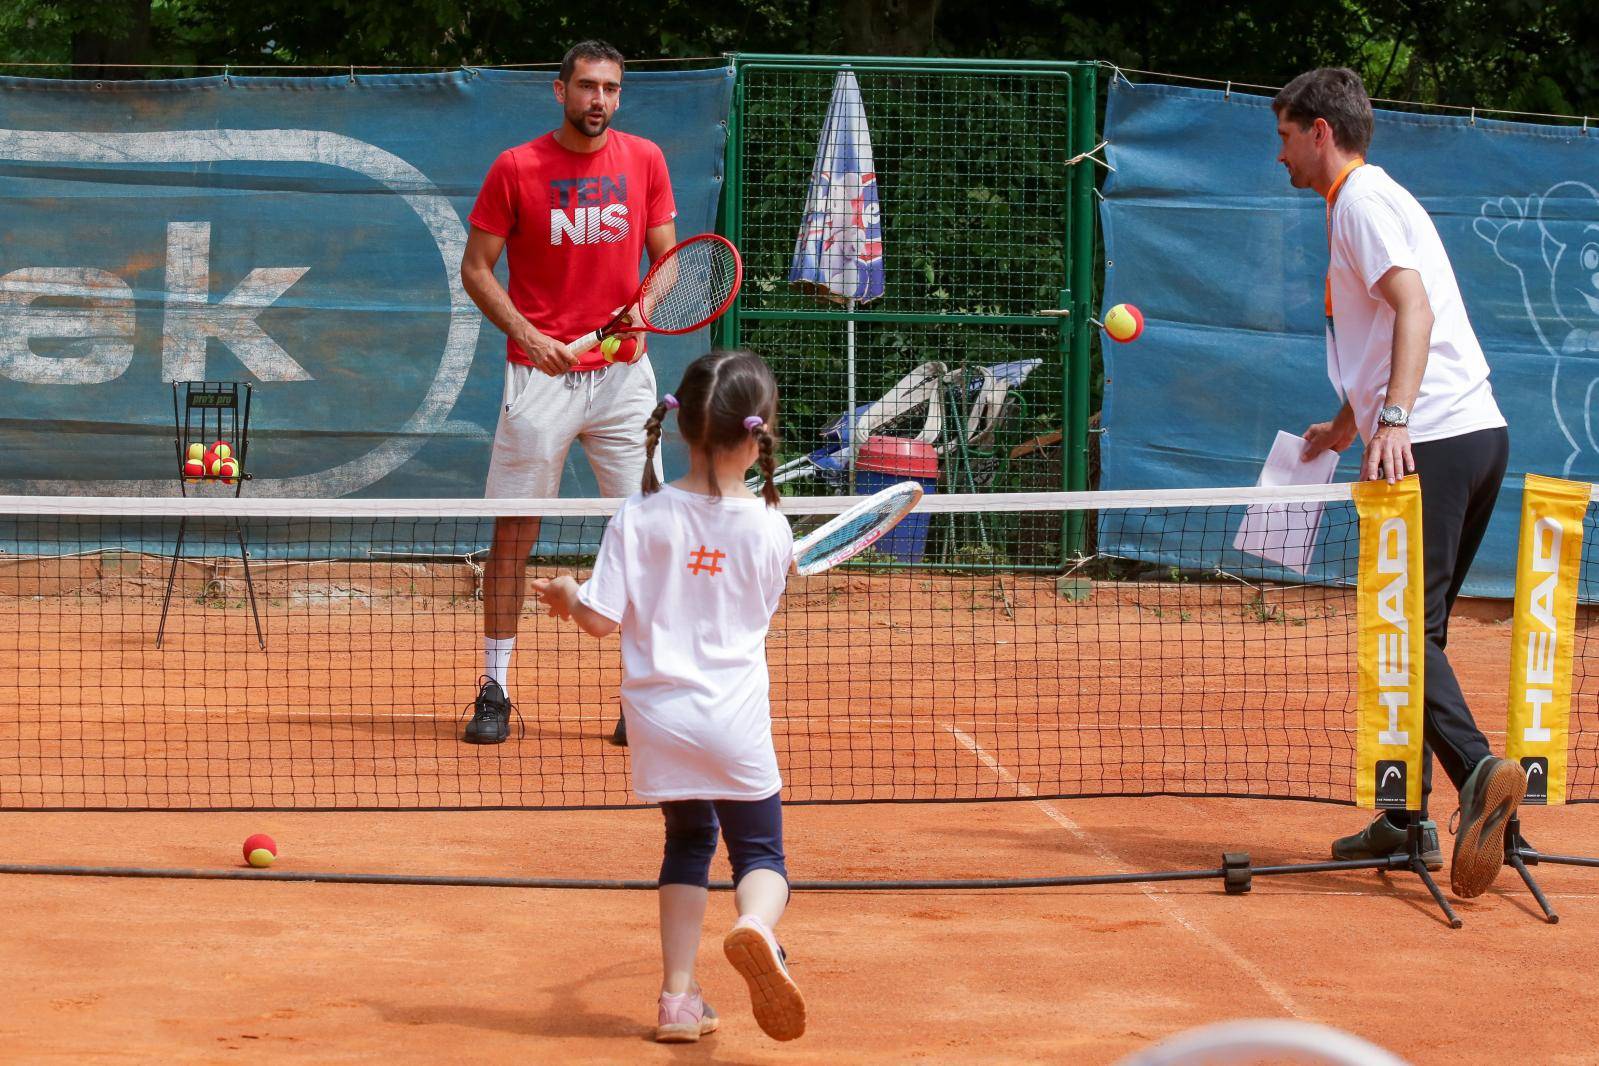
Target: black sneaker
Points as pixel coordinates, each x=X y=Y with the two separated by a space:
x=1382 y=838
x=619 y=734
x=491 y=715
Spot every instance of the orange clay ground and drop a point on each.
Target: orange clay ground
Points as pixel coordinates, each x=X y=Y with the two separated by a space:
x=162 y=970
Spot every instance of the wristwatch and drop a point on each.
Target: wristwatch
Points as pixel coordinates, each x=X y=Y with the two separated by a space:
x=1393 y=415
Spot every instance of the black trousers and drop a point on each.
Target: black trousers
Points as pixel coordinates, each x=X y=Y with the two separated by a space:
x=1460 y=479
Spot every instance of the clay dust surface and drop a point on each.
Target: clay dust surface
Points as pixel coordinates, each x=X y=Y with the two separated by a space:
x=105 y=969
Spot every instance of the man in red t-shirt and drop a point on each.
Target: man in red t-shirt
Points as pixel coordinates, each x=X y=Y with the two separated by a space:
x=575 y=211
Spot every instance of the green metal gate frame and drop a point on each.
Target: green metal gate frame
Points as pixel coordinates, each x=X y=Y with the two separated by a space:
x=1078 y=219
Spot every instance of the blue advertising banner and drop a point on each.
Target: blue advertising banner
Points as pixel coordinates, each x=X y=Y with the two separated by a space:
x=300 y=234
x=1226 y=260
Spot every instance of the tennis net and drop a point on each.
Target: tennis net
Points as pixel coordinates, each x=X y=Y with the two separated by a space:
x=969 y=656
x=1582 y=767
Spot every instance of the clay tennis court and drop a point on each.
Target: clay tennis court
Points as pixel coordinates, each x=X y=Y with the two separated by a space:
x=1003 y=687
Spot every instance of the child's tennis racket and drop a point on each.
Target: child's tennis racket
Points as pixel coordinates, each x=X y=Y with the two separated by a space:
x=686 y=289
x=846 y=535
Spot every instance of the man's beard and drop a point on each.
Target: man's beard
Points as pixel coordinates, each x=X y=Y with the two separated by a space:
x=580 y=122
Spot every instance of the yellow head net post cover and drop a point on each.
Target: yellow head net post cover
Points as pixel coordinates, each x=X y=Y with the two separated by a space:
x=1543 y=631
x=1392 y=645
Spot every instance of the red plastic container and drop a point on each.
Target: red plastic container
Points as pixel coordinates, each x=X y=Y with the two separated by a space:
x=884 y=461
x=902 y=458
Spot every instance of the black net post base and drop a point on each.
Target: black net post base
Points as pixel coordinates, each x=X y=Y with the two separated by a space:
x=204 y=414
x=1519 y=855
x=1237 y=872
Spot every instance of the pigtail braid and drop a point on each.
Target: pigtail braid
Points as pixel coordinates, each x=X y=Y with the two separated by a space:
x=652 y=438
x=768 y=443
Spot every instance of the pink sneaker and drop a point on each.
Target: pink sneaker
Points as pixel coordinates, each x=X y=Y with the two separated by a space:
x=684 y=1018
x=754 y=952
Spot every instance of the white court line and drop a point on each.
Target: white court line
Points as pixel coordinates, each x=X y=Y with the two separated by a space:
x=1160 y=899
x=346 y=714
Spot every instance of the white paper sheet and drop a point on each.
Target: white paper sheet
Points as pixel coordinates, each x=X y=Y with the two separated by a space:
x=1285 y=533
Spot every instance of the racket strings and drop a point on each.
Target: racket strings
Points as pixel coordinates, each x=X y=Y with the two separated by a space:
x=690 y=288
x=844 y=535
x=847 y=533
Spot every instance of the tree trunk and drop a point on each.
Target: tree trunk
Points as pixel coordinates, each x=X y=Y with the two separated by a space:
x=889 y=27
x=123 y=36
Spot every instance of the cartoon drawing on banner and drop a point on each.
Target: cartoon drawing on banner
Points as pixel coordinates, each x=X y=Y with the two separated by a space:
x=1552 y=242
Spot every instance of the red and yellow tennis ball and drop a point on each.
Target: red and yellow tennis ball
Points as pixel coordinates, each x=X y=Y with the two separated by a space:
x=609 y=347
x=222 y=449
x=260 y=850
x=193 y=470
x=229 y=470
x=196 y=451
x=1124 y=323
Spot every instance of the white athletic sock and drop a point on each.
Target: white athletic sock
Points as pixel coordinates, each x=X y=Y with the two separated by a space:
x=497 y=660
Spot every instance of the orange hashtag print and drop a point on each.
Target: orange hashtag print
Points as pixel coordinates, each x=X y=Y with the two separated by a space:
x=706 y=561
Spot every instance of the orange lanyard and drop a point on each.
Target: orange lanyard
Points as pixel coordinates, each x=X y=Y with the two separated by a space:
x=1332 y=197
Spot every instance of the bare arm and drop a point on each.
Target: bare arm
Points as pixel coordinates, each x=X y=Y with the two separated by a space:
x=1389 y=454
x=1401 y=289
x=659 y=239
x=560 y=596
x=483 y=250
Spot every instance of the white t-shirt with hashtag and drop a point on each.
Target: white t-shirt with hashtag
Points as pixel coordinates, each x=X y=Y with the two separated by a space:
x=1376 y=226
x=693 y=582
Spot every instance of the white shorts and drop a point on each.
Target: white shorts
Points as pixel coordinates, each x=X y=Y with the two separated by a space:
x=541 y=416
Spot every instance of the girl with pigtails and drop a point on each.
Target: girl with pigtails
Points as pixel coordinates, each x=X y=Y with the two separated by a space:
x=691 y=573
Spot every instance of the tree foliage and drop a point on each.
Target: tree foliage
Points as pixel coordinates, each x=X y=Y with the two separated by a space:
x=1533 y=55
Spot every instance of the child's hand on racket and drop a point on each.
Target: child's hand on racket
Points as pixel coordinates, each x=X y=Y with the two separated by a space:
x=558 y=594
x=547 y=354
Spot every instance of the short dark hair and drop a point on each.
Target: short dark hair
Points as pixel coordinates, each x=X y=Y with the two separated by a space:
x=595 y=51
x=1335 y=94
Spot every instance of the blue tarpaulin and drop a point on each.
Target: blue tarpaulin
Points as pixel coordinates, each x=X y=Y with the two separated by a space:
x=302 y=234
x=1225 y=259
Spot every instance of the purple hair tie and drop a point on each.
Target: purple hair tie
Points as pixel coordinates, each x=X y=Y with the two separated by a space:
x=754 y=422
x=670 y=401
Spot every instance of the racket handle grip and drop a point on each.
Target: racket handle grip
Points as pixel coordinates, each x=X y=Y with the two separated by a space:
x=585 y=342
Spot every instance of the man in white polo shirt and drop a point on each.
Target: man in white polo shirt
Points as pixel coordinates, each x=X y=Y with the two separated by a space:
x=1402 y=354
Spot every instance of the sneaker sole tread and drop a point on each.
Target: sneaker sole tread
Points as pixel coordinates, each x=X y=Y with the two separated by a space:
x=1480 y=844
x=774 y=997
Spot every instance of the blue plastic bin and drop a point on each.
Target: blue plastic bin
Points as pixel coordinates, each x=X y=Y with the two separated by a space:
x=884 y=461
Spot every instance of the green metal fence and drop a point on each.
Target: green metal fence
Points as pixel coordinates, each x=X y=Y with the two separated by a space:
x=988 y=231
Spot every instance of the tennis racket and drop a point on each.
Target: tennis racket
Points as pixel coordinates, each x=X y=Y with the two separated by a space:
x=846 y=535
x=686 y=289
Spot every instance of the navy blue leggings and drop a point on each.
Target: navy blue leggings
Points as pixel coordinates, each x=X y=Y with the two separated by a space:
x=753 y=829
